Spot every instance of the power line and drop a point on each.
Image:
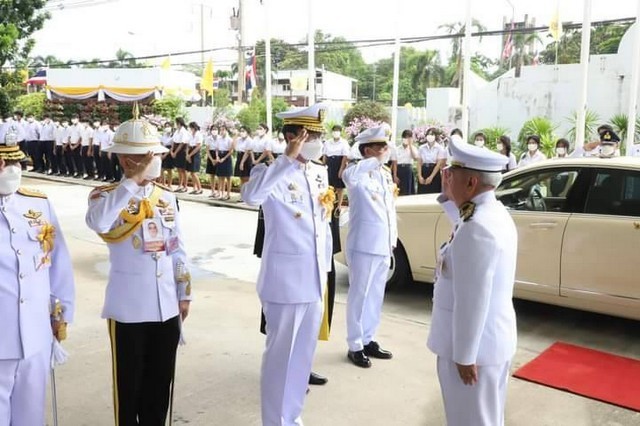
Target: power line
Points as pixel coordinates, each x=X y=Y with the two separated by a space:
x=341 y=44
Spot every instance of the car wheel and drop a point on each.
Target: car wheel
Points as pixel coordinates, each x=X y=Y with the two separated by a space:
x=399 y=272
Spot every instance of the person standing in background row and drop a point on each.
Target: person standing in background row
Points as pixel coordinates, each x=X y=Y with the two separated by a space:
x=335 y=154
x=181 y=138
x=60 y=163
x=562 y=148
x=260 y=144
x=276 y=148
x=224 y=168
x=74 y=149
x=243 y=162
x=86 y=141
x=95 y=150
x=167 y=159
x=32 y=134
x=473 y=325
x=431 y=159
x=533 y=154
x=104 y=136
x=211 y=143
x=193 y=158
x=18 y=127
x=503 y=146
x=47 y=141
x=406 y=156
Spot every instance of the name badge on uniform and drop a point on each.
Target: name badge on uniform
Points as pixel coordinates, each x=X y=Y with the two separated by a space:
x=152 y=235
x=173 y=243
x=34 y=218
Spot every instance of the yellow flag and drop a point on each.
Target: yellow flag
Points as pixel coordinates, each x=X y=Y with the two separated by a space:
x=206 y=83
x=555 y=26
x=24 y=74
x=166 y=64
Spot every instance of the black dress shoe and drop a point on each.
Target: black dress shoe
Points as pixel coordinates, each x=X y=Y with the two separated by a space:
x=359 y=358
x=316 y=379
x=374 y=350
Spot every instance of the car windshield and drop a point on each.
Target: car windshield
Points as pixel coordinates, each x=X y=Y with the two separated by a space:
x=542 y=190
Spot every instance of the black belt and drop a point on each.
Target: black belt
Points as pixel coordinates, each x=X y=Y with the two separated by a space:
x=405 y=165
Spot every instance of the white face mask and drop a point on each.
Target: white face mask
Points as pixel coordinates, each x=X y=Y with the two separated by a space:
x=10 y=178
x=154 y=169
x=260 y=132
x=479 y=143
x=336 y=135
x=214 y=133
x=311 y=150
x=499 y=147
x=65 y=125
x=384 y=159
x=243 y=135
x=533 y=147
x=607 y=150
x=561 y=151
x=74 y=121
x=431 y=138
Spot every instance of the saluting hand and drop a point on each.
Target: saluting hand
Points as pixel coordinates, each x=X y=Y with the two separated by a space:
x=135 y=170
x=295 y=145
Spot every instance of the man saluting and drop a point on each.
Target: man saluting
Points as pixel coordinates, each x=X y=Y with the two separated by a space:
x=297 y=203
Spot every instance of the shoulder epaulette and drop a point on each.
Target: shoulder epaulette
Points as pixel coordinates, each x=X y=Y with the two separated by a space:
x=386 y=168
x=95 y=193
x=318 y=163
x=166 y=188
x=27 y=192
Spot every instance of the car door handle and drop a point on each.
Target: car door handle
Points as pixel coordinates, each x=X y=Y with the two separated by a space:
x=543 y=225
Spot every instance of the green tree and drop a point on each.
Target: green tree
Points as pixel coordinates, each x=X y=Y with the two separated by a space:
x=124 y=59
x=368 y=109
x=169 y=107
x=32 y=103
x=455 y=61
x=18 y=21
x=523 y=49
x=542 y=127
x=605 y=39
x=221 y=97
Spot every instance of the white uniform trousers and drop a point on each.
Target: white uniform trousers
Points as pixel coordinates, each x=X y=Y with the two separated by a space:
x=292 y=336
x=23 y=389
x=479 y=405
x=367 y=281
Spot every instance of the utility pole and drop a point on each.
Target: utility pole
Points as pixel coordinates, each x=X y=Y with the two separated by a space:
x=241 y=59
x=203 y=94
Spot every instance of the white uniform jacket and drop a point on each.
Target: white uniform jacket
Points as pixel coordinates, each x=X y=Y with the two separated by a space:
x=373 y=225
x=142 y=287
x=473 y=320
x=31 y=278
x=297 y=244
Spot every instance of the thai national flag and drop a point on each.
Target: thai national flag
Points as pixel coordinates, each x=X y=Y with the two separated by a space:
x=250 y=74
x=39 y=78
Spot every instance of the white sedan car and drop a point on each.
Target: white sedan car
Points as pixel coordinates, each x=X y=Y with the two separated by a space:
x=578 y=225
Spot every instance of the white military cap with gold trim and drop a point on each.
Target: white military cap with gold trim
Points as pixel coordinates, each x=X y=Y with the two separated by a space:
x=467 y=156
x=136 y=136
x=309 y=118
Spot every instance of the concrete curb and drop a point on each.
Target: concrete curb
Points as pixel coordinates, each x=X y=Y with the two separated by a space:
x=180 y=196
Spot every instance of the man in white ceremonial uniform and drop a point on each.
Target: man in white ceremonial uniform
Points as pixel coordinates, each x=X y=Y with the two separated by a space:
x=37 y=275
x=149 y=289
x=473 y=325
x=372 y=236
x=47 y=141
x=297 y=203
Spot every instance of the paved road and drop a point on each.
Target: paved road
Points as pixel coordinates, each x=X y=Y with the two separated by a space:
x=218 y=369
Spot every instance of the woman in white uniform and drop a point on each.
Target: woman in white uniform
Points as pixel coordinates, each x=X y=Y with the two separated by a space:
x=533 y=154
x=431 y=159
x=224 y=168
x=211 y=141
x=178 y=152
x=275 y=148
x=243 y=151
x=503 y=146
x=167 y=159
x=193 y=157
x=259 y=145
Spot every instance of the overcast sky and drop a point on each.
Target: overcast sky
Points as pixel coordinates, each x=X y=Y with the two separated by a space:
x=148 y=27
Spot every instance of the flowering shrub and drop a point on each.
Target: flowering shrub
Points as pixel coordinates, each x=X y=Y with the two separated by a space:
x=359 y=124
x=420 y=132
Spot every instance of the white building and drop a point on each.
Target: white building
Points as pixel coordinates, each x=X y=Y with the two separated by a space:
x=293 y=86
x=551 y=91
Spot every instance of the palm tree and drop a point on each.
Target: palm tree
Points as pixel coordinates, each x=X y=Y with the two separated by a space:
x=427 y=71
x=124 y=59
x=46 y=61
x=524 y=46
x=457 y=29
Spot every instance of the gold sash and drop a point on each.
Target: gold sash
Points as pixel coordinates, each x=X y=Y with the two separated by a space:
x=133 y=221
x=324 y=325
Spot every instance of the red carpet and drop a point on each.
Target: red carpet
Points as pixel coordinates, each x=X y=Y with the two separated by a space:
x=586 y=372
